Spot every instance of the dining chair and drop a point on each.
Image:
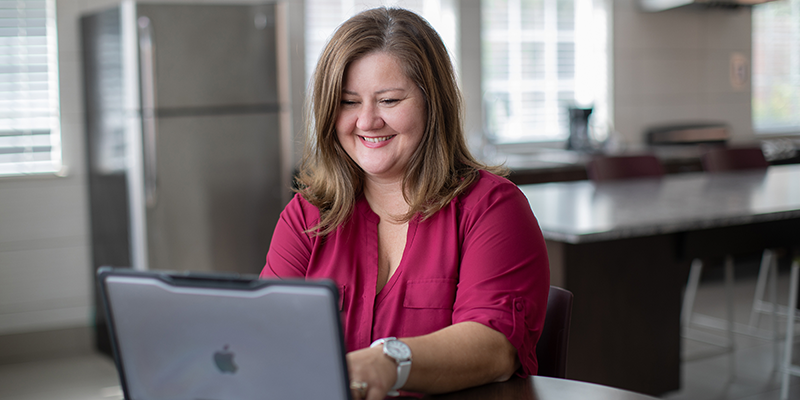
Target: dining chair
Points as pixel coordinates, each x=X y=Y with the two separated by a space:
x=789 y=368
x=551 y=350
x=609 y=168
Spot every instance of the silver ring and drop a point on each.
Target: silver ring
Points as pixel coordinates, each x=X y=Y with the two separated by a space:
x=360 y=387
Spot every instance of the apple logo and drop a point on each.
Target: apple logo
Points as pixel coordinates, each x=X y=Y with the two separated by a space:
x=223 y=359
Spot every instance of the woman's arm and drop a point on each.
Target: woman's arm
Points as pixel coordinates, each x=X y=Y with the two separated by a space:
x=290 y=249
x=461 y=355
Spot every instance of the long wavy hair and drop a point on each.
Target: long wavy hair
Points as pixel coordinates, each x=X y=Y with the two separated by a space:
x=441 y=167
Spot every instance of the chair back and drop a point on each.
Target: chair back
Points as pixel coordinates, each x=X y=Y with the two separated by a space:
x=722 y=159
x=607 y=168
x=551 y=351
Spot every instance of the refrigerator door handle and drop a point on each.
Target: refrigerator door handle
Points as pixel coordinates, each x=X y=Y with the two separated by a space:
x=150 y=134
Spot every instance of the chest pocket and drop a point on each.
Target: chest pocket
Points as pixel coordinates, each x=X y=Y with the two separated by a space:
x=433 y=293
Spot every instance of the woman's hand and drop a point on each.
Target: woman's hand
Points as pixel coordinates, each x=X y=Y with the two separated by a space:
x=374 y=368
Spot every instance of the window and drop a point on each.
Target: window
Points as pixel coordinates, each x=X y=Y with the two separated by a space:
x=539 y=57
x=29 y=106
x=324 y=16
x=776 y=67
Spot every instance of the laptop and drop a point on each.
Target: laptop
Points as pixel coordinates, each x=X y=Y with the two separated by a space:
x=199 y=336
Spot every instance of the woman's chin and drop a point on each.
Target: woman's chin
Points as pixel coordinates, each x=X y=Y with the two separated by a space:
x=382 y=173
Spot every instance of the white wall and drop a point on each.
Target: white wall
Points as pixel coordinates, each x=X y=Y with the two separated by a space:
x=44 y=251
x=673 y=66
x=669 y=67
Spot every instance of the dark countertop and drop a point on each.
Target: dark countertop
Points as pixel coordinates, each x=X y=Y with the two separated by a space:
x=584 y=211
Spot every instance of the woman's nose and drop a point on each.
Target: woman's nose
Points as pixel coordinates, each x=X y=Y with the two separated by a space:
x=368 y=119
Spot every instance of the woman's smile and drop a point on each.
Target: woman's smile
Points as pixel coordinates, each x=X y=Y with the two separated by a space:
x=375 y=142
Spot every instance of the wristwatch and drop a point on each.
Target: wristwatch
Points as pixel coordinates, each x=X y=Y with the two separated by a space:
x=401 y=354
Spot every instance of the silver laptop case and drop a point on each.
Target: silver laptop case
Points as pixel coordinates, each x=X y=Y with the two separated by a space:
x=190 y=336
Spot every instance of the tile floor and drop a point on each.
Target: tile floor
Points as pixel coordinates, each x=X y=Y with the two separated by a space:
x=90 y=377
x=749 y=373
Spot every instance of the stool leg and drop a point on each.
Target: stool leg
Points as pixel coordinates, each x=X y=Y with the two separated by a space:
x=691 y=291
x=729 y=297
x=758 y=299
x=787 y=356
x=773 y=298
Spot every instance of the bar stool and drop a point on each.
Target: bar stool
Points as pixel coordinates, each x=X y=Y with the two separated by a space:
x=610 y=168
x=725 y=159
x=688 y=319
x=790 y=368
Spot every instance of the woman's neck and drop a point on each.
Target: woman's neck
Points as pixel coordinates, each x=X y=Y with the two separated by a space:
x=386 y=198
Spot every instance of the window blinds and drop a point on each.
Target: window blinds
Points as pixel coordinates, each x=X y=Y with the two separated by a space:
x=29 y=108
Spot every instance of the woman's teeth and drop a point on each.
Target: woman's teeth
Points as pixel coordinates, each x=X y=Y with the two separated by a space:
x=377 y=139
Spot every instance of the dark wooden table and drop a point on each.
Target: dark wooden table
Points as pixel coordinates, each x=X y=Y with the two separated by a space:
x=541 y=388
x=623 y=248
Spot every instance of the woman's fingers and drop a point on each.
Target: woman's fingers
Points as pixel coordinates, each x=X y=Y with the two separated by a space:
x=372 y=373
x=359 y=389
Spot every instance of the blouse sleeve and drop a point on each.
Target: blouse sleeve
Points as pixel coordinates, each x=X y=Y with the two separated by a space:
x=504 y=275
x=290 y=249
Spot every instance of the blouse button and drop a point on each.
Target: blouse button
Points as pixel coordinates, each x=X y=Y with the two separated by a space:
x=518 y=306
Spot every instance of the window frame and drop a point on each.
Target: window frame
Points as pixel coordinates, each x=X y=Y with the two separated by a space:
x=465 y=45
x=586 y=84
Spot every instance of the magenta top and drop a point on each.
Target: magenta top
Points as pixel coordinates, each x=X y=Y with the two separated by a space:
x=481 y=258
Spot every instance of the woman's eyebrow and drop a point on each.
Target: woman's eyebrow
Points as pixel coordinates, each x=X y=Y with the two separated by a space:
x=382 y=91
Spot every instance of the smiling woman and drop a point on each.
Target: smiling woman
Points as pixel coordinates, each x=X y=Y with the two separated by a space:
x=424 y=243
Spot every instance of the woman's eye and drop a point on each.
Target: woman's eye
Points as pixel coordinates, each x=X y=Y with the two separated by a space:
x=389 y=101
x=348 y=102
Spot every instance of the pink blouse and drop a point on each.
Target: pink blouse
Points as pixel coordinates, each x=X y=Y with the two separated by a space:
x=481 y=258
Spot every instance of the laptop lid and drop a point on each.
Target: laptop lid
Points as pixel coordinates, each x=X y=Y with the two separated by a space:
x=224 y=337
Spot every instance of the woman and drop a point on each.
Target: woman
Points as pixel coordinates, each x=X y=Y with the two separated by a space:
x=425 y=244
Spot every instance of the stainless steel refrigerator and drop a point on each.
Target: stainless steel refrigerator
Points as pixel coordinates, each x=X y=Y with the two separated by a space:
x=183 y=119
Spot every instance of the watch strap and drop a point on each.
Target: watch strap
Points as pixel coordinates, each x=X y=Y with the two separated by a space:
x=403 y=370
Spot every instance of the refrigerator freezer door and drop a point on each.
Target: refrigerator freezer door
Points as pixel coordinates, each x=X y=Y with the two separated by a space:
x=219 y=193
x=213 y=57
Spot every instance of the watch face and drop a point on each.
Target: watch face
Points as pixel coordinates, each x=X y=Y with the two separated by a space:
x=397 y=349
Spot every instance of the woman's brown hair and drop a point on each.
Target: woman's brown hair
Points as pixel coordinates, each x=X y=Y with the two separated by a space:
x=441 y=167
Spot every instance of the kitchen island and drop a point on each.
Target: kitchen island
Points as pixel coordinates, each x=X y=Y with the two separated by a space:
x=624 y=248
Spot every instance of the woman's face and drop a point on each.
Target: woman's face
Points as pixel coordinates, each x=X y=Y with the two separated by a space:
x=382 y=116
